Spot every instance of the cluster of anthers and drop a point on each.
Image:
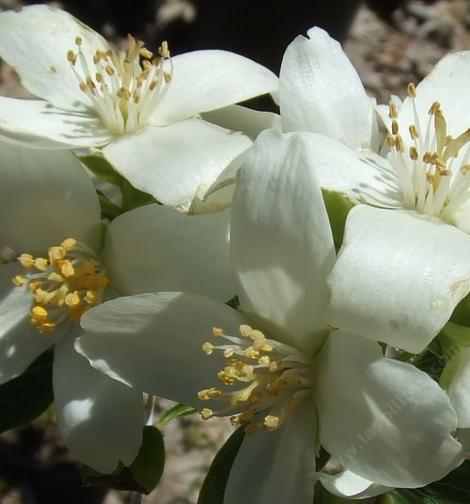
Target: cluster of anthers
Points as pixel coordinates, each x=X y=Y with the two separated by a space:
x=425 y=169
x=276 y=378
x=124 y=87
x=64 y=285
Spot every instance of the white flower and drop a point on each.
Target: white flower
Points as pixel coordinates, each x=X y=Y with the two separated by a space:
x=49 y=214
x=403 y=267
x=142 y=109
x=281 y=368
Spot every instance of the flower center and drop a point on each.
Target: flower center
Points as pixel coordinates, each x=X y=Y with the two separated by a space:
x=268 y=377
x=429 y=180
x=64 y=285
x=124 y=87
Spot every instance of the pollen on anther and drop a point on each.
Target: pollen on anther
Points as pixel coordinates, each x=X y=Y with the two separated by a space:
x=271 y=422
x=411 y=90
x=208 y=348
x=217 y=332
x=206 y=413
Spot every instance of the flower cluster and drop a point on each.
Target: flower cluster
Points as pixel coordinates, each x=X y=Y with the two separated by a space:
x=142 y=204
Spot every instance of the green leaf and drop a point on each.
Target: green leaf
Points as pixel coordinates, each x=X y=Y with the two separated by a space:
x=454 y=339
x=98 y=165
x=142 y=475
x=178 y=410
x=108 y=209
x=461 y=313
x=396 y=498
x=337 y=207
x=26 y=397
x=213 y=488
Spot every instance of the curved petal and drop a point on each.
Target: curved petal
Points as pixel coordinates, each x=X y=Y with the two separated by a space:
x=362 y=176
x=174 y=252
x=249 y=122
x=45 y=197
x=20 y=341
x=276 y=466
x=320 y=91
x=153 y=342
x=348 y=485
x=447 y=84
x=282 y=247
x=35 y=41
x=391 y=408
x=38 y=124
x=398 y=277
x=211 y=79
x=176 y=162
x=100 y=419
x=459 y=389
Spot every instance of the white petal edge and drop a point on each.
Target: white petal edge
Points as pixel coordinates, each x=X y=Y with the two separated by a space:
x=176 y=162
x=174 y=252
x=398 y=277
x=45 y=197
x=321 y=92
x=153 y=342
x=281 y=242
x=211 y=79
x=101 y=420
x=391 y=408
x=276 y=466
x=46 y=72
x=348 y=485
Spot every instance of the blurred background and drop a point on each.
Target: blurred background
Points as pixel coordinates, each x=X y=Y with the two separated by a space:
x=390 y=42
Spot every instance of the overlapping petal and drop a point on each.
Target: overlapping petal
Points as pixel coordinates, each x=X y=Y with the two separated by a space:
x=175 y=162
x=153 y=342
x=156 y=248
x=211 y=79
x=459 y=389
x=281 y=241
x=276 y=466
x=393 y=410
x=45 y=197
x=321 y=92
x=100 y=419
x=398 y=277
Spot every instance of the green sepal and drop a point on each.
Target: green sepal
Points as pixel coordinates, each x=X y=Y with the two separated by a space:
x=24 y=398
x=178 y=410
x=233 y=303
x=461 y=314
x=454 y=339
x=142 y=475
x=213 y=488
x=337 y=207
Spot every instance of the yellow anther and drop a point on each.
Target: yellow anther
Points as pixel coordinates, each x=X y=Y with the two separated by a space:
x=245 y=331
x=67 y=269
x=217 y=332
x=46 y=327
x=72 y=299
x=414 y=132
x=99 y=78
x=41 y=264
x=206 y=413
x=26 y=260
x=399 y=145
x=251 y=353
x=19 y=280
x=208 y=348
x=207 y=394
x=34 y=285
x=392 y=110
x=391 y=141
x=153 y=85
x=145 y=53
x=256 y=335
x=271 y=422
x=39 y=313
x=235 y=420
x=411 y=90
x=163 y=50
x=394 y=127
x=78 y=40
x=413 y=153
x=228 y=352
x=83 y=87
x=55 y=277
x=71 y=58
x=97 y=57
x=92 y=297
x=434 y=108
x=56 y=253
x=264 y=360
x=109 y=70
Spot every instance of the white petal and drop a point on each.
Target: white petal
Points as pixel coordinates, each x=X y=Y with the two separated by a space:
x=153 y=342
x=398 y=423
x=321 y=92
x=20 y=341
x=349 y=485
x=175 y=162
x=248 y=121
x=459 y=389
x=156 y=248
x=211 y=79
x=100 y=419
x=276 y=466
x=447 y=83
x=282 y=248
x=45 y=197
x=35 y=41
x=362 y=176
x=398 y=277
x=38 y=124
